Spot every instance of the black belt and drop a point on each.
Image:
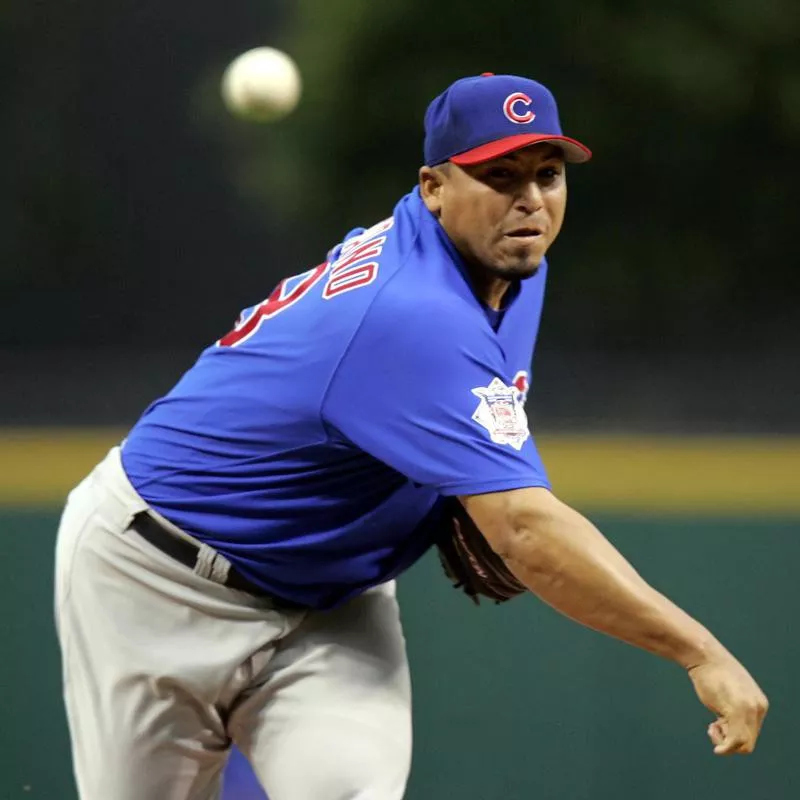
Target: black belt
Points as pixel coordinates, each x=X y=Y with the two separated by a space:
x=186 y=553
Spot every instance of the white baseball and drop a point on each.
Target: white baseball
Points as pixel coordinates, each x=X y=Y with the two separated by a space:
x=262 y=85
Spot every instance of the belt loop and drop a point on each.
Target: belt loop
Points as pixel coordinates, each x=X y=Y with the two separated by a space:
x=211 y=565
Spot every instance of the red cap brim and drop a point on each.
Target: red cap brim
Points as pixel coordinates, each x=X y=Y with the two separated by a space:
x=574 y=151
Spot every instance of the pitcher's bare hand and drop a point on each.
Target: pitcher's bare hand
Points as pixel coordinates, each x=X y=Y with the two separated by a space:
x=726 y=688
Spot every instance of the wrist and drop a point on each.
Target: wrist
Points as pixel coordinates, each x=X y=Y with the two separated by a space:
x=685 y=641
x=702 y=648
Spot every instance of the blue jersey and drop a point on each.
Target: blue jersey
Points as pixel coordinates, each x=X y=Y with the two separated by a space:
x=311 y=443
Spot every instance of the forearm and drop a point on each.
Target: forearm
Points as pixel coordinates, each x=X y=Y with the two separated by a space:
x=563 y=559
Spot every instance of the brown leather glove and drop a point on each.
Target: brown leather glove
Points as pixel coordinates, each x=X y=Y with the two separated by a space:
x=469 y=561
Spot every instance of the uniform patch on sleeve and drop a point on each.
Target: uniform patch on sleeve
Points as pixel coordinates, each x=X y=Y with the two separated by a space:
x=502 y=413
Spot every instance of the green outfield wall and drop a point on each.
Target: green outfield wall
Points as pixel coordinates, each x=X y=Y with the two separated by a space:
x=510 y=701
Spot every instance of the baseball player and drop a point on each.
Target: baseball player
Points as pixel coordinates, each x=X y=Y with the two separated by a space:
x=227 y=573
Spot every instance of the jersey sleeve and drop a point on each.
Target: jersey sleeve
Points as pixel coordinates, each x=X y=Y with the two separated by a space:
x=431 y=396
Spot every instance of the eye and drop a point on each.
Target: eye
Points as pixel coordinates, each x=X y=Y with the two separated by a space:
x=550 y=173
x=499 y=174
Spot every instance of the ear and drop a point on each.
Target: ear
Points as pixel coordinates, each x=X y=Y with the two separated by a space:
x=431 y=185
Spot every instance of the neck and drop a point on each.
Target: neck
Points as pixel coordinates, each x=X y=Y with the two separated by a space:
x=491 y=290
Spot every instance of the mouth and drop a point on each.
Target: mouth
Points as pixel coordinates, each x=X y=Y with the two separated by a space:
x=525 y=235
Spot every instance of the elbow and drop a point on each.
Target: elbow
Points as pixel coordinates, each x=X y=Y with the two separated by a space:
x=519 y=525
x=523 y=535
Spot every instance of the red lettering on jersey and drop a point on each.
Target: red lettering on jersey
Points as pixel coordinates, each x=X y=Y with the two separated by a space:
x=370 y=233
x=354 y=278
x=274 y=304
x=362 y=252
x=347 y=273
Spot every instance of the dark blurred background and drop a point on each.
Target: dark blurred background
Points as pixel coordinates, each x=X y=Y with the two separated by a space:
x=139 y=217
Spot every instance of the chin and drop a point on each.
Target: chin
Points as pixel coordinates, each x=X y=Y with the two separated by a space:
x=518 y=271
x=519 y=262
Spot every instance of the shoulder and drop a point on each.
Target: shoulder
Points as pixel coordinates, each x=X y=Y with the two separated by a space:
x=420 y=297
x=424 y=323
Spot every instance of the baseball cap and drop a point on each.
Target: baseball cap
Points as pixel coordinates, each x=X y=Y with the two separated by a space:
x=480 y=118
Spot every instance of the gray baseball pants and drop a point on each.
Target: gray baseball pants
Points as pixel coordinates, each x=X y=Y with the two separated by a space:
x=163 y=669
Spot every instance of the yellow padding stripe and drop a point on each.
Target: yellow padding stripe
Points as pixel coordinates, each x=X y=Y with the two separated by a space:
x=675 y=475
x=39 y=466
x=598 y=473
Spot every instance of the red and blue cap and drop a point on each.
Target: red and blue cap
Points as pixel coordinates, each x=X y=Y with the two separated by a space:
x=480 y=118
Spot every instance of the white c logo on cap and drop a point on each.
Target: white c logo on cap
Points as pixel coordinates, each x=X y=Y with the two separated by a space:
x=509 y=108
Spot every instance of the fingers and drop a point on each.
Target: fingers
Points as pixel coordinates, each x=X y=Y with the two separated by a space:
x=725 y=741
x=733 y=742
x=727 y=689
x=731 y=748
x=739 y=735
x=716 y=733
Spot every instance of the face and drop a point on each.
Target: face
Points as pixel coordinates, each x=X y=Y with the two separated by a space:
x=504 y=214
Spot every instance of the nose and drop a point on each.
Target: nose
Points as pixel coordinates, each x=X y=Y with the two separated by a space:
x=529 y=197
